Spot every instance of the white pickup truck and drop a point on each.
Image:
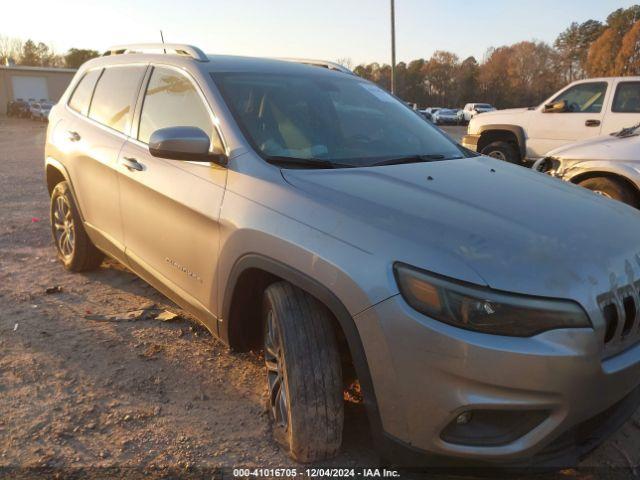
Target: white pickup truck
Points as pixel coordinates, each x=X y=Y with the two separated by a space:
x=583 y=109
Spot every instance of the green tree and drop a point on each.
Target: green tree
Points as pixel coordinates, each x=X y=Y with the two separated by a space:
x=77 y=56
x=414 y=88
x=46 y=56
x=29 y=55
x=468 y=81
x=573 y=47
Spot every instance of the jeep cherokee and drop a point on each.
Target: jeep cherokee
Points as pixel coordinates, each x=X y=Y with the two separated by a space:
x=306 y=211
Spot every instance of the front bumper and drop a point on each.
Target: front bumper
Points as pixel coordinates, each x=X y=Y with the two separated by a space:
x=470 y=141
x=426 y=373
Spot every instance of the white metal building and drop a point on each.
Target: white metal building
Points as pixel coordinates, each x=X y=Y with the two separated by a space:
x=32 y=83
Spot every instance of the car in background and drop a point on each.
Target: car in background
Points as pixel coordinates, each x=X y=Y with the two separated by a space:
x=426 y=114
x=470 y=110
x=40 y=111
x=582 y=110
x=18 y=108
x=447 y=116
x=431 y=111
x=608 y=165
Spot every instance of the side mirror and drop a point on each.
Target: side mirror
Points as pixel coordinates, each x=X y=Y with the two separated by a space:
x=556 y=107
x=184 y=143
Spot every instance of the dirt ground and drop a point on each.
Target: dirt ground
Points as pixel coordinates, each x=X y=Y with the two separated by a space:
x=146 y=394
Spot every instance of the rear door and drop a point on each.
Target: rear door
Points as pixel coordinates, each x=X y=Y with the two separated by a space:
x=624 y=110
x=98 y=133
x=171 y=208
x=547 y=131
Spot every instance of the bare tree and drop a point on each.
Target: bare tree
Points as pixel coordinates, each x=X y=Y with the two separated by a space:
x=10 y=49
x=345 y=62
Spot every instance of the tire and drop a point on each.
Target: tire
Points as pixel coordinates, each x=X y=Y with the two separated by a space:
x=304 y=374
x=502 y=151
x=611 y=188
x=74 y=247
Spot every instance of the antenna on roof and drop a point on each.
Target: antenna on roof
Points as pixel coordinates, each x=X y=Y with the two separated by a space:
x=162 y=38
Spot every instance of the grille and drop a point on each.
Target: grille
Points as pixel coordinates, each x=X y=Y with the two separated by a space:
x=621 y=311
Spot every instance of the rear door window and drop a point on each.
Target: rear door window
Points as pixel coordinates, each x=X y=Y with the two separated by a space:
x=81 y=97
x=115 y=96
x=627 y=98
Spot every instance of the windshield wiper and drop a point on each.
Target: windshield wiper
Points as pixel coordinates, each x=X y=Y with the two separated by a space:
x=626 y=132
x=412 y=159
x=305 y=162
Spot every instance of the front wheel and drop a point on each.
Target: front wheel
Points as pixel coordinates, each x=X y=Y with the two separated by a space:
x=75 y=249
x=304 y=375
x=611 y=188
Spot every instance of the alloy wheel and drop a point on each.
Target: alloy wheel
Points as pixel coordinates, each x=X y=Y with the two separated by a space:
x=274 y=360
x=64 y=228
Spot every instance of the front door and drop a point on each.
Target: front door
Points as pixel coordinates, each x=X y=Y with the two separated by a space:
x=171 y=208
x=582 y=120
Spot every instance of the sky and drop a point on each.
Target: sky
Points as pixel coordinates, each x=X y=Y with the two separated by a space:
x=326 y=29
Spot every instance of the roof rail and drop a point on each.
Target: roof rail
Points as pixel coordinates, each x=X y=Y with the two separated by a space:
x=178 y=48
x=320 y=63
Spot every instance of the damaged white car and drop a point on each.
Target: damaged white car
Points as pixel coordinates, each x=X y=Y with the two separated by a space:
x=608 y=165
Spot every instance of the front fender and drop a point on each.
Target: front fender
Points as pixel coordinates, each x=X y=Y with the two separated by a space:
x=516 y=130
x=629 y=171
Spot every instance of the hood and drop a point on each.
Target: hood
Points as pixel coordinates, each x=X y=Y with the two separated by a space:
x=606 y=148
x=479 y=220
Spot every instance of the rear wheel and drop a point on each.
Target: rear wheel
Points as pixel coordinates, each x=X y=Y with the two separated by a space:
x=502 y=151
x=75 y=249
x=304 y=376
x=611 y=188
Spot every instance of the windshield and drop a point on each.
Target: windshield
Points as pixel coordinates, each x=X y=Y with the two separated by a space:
x=333 y=118
x=483 y=105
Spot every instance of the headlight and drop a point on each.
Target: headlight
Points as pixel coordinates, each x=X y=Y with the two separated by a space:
x=484 y=310
x=547 y=165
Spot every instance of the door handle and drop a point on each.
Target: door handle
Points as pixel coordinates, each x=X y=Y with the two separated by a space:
x=592 y=123
x=74 y=136
x=132 y=164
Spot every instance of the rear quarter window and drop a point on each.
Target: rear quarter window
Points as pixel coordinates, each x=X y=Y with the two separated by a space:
x=81 y=96
x=115 y=96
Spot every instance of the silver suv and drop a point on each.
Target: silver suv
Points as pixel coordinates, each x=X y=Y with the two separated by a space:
x=303 y=210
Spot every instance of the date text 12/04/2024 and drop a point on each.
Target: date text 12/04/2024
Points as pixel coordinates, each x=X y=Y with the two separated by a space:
x=316 y=472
